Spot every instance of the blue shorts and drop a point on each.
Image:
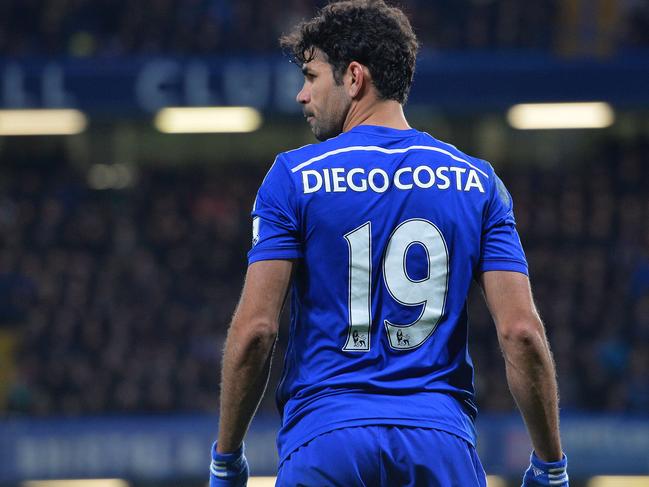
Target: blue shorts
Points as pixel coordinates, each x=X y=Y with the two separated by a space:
x=390 y=456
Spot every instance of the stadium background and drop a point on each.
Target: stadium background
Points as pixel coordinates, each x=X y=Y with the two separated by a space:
x=122 y=247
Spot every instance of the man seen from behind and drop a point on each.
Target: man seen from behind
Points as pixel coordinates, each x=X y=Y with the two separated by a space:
x=378 y=231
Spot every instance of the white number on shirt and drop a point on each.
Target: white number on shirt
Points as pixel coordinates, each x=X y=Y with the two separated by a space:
x=429 y=292
x=360 y=287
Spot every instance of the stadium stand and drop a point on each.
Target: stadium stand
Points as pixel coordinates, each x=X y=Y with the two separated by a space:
x=115 y=27
x=121 y=298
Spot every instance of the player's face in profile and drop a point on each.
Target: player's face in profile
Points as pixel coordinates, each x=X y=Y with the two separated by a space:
x=324 y=103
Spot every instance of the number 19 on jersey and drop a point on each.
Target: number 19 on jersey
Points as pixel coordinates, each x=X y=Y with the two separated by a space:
x=429 y=292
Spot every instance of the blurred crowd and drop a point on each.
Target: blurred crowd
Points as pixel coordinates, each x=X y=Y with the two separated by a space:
x=122 y=298
x=119 y=300
x=585 y=229
x=115 y=27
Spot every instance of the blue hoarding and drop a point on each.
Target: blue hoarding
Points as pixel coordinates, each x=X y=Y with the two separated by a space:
x=174 y=447
x=461 y=81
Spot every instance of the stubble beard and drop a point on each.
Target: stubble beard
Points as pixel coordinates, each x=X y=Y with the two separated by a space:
x=327 y=130
x=330 y=124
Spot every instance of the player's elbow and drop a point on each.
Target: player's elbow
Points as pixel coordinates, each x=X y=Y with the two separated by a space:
x=266 y=330
x=526 y=333
x=258 y=333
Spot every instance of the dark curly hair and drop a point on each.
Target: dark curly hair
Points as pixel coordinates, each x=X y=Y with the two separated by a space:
x=367 y=31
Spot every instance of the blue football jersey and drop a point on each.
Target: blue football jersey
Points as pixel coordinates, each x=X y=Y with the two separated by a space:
x=388 y=228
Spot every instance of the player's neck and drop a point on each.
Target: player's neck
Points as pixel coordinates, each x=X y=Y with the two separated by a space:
x=383 y=113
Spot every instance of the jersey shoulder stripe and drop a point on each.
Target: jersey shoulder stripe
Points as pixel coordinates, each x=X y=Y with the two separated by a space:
x=298 y=159
x=374 y=148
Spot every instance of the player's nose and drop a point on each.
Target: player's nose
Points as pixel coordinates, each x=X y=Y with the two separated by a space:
x=303 y=97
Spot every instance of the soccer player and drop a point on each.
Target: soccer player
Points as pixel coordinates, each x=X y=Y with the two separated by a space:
x=378 y=232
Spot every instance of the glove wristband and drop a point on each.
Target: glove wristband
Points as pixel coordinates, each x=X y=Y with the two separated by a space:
x=225 y=465
x=546 y=473
x=226 y=457
x=547 y=466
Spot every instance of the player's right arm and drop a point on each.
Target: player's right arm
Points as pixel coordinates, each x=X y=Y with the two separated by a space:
x=530 y=368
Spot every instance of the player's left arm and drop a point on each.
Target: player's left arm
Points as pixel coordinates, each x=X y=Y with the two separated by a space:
x=249 y=347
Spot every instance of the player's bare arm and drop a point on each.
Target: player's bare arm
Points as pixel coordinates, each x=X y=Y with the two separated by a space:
x=249 y=347
x=528 y=360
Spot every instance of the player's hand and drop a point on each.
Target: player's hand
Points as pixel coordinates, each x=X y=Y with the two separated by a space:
x=546 y=474
x=228 y=469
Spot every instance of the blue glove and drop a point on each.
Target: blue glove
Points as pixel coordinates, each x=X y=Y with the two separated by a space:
x=228 y=469
x=540 y=473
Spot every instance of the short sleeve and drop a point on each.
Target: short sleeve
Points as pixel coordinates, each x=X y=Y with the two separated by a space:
x=275 y=227
x=501 y=248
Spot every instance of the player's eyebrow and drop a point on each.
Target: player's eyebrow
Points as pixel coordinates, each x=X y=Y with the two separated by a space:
x=306 y=71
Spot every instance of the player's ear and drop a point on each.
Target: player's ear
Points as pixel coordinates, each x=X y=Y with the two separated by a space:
x=358 y=78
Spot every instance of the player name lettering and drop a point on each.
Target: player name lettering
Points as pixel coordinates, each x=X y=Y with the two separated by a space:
x=339 y=179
